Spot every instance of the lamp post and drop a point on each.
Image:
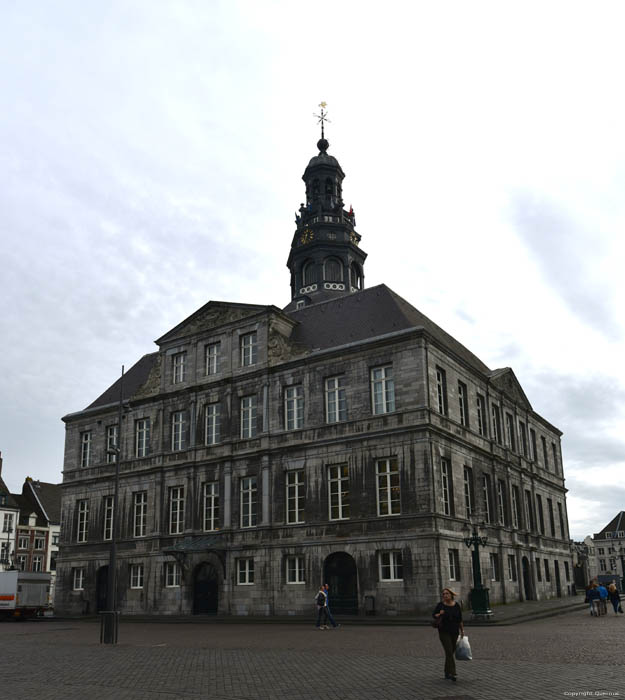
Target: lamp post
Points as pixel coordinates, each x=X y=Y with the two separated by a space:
x=480 y=603
x=621 y=552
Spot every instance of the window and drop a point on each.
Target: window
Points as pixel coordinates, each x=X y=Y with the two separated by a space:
x=545 y=452
x=173 y=575
x=529 y=511
x=510 y=431
x=496 y=422
x=78 y=579
x=107 y=508
x=211 y=506
x=511 y=567
x=391 y=566
x=40 y=540
x=245 y=572
x=445 y=486
x=309 y=274
x=212 y=353
x=554 y=451
x=486 y=490
x=7 y=524
x=547 y=572
x=83 y=520
x=212 y=423
x=140 y=513
x=602 y=565
x=533 y=454
x=178 y=362
x=249 y=350
x=23 y=542
x=176 y=510
x=441 y=390
x=463 y=404
x=333 y=270
x=454 y=565
x=515 y=506
x=552 y=524
x=336 y=400
x=21 y=562
x=468 y=491
x=85 y=449
x=561 y=518
x=523 y=438
x=142 y=437
x=295 y=496
x=295 y=570
x=136 y=575
x=494 y=567
x=338 y=488
x=4 y=552
x=388 y=490
x=567 y=573
x=38 y=563
x=248 y=490
x=300 y=304
x=501 y=502
x=382 y=390
x=178 y=431
x=541 y=515
x=481 y=414
x=248 y=417
x=111 y=444
x=539 y=575
x=293 y=407
x=601 y=551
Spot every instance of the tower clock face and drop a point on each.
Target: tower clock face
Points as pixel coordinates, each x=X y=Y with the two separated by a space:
x=307 y=236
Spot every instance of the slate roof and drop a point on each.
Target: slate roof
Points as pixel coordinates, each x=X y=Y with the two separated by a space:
x=10 y=498
x=617 y=523
x=134 y=379
x=49 y=496
x=27 y=505
x=373 y=312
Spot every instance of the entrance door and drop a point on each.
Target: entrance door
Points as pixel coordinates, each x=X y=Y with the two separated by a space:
x=556 y=567
x=340 y=573
x=101 y=588
x=527 y=579
x=205 y=590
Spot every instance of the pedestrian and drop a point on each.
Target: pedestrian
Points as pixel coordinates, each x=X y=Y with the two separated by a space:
x=593 y=598
x=320 y=602
x=615 y=598
x=448 y=614
x=603 y=599
x=326 y=590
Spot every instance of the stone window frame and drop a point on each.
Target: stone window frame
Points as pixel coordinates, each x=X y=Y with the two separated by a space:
x=387 y=481
x=338 y=491
x=176 y=508
x=212 y=358
x=178 y=367
x=86 y=451
x=245 y=571
x=78 y=578
x=463 y=403
x=295 y=569
x=172 y=574
x=294 y=407
x=210 y=506
x=111 y=443
x=142 y=437
x=382 y=390
x=441 y=391
x=140 y=513
x=293 y=485
x=335 y=399
x=178 y=431
x=453 y=559
x=248 y=345
x=107 y=518
x=82 y=523
x=248 y=501
x=137 y=572
x=390 y=565
x=249 y=416
x=212 y=423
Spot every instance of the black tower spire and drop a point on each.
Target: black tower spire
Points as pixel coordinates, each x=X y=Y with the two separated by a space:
x=325 y=260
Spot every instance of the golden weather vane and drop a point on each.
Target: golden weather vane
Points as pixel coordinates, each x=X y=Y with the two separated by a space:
x=323 y=117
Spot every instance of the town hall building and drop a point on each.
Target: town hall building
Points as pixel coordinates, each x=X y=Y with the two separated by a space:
x=345 y=438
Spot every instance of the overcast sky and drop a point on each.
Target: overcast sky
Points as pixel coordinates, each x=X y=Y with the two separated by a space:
x=151 y=156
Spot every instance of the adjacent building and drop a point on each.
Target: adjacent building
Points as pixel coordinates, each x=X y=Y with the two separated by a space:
x=9 y=515
x=608 y=559
x=344 y=438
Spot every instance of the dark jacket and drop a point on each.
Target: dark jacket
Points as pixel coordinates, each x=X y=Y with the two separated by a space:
x=451 y=618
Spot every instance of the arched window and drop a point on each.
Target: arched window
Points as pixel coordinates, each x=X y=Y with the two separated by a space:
x=308 y=273
x=356 y=277
x=315 y=187
x=332 y=270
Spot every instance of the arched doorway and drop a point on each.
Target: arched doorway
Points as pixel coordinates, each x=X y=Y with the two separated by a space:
x=527 y=579
x=101 y=588
x=205 y=589
x=341 y=574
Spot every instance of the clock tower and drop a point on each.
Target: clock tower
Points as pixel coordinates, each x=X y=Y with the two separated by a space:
x=326 y=260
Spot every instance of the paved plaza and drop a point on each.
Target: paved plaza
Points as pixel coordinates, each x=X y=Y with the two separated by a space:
x=568 y=656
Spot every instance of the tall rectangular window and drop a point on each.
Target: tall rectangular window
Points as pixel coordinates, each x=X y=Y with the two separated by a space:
x=336 y=400
x=541 y=515
x=567 y=572
x=7 y=523
x=533 y=453
x=173 y=575
x=248 y=417
x=245 y=572
x=140 y=513
x=454 y=565
x=496 y=422
x=176 y=510
x=515 y=506
x=249 y=349
x=338 y=488
x=108 y=518
x=78 y=583
x=510 y=431
x=212 y=353
x=85 y=449
x=463 y=404
x=295 y=497
x=545 y=452
x=523 y=438
x=178 y=431
x=211 y=506
x=293 y=407
x=111 y=444
x=446 y=485
x=178 y=362
x=247 y=500
x=494 y=567
x=487 y=492
x=142 y=437
x=554 y=451
x=547 y=571
x=552 y=524
x=212 y=423
x=529 y=511
x=382 y=390
x=480 y=405
x=468 y=491
x=38 y=563
x=136 y=575
x=501 y=502
x=441 y=390
x=511 y=567
x=295 y=570
x=83 y=520
x=387 y=472
x=391 y=566
x=561 y=518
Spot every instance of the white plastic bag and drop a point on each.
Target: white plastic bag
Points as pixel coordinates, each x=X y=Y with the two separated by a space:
x=463 y=649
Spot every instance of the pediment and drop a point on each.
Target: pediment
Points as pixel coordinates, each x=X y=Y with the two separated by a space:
x=211 y=316
x=506 y=381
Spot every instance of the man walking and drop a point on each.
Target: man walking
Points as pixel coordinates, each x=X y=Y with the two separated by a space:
x=320 y=601
x=326 y=590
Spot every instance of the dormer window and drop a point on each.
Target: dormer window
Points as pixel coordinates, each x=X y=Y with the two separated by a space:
x=178 y=367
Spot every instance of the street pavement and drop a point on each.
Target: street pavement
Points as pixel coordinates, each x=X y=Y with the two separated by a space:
x=566 y=656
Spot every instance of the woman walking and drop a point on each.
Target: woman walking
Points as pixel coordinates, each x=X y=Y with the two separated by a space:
x=615 y=598
x=448 y=614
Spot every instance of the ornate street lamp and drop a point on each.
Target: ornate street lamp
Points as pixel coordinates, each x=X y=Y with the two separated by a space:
x=480 y=603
